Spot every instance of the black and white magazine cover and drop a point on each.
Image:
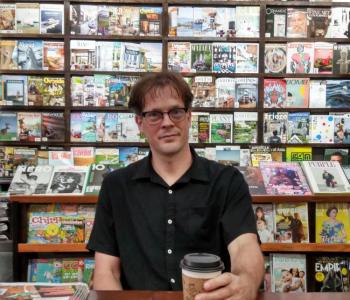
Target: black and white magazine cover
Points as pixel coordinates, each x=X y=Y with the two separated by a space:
x=68 y=180
x=29 y=180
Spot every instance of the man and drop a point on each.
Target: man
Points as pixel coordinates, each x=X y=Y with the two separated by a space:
x=153 y=212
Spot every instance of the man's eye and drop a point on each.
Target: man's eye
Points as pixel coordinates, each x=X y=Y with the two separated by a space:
x=153 y=114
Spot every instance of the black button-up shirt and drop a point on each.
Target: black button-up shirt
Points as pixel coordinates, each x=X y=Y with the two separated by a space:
x=151 y=225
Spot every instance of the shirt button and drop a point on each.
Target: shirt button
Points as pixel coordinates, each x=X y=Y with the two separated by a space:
x=170 y=221
x=170 y=251
x=170 y=192
x=172 y=280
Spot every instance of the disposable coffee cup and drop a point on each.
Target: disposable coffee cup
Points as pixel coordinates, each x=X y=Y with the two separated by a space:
x=196 y=269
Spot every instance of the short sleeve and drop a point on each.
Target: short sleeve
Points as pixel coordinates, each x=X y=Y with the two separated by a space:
x=103 y=236
x=238 y=216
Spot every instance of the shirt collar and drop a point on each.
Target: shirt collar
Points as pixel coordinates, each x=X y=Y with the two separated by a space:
x=197 y=171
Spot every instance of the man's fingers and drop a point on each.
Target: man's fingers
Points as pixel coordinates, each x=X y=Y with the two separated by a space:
x=222 y=280
x=219 y=294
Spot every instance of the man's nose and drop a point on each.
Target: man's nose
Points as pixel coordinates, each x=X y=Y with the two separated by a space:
x=166 y=121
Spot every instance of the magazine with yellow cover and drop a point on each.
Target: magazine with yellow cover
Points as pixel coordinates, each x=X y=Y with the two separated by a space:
x=332 y=223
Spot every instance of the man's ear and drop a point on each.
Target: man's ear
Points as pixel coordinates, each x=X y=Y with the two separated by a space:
x=138 y=120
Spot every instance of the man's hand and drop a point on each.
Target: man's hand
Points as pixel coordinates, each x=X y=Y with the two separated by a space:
x=229 y=287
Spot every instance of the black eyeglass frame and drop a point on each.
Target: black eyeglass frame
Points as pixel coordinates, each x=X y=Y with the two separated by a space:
x=145 y=113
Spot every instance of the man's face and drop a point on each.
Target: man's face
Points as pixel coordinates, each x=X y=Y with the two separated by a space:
x=167 y=137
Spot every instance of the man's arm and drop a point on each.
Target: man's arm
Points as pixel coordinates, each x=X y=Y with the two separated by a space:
x=107 y=272
x=247 y=271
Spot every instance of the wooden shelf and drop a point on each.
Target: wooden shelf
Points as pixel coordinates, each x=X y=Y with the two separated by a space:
x=31 y=36
x=54 y=198
x=117 y=38
x=273 y=40
x=307 y=247
x=32 y=108
x=47 y=248
x=307 y=109
x=311 y=75
x=268 y=247
x=213 y=39
x=215 y=3
x=255 y=198
x=305 y=198
x=32 y=72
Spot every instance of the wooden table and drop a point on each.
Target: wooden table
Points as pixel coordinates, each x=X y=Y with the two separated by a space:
x=148 y=295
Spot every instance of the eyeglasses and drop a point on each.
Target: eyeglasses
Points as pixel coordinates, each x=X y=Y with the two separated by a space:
x=154 y=117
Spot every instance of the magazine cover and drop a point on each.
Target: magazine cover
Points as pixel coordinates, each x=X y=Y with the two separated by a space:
x=31 y=180
x=340 y=22
x=150 y=21
x=8 y=17
x=83 y=156
x=247 y=57
x=296 y=22
x=83 y=19
x=275 y=93
x=14 y=90
x=83 y=56
x=227 y=155
x=289 y=273
x=333 y=223
x=341 y=128
x=8 y=54
x=264 y=222
x=291 y=222
x=281 y=178
x=317 y=93
x=323 y=60
x=179 y=56
x=54 y=88
x=60 y=158
x=225 y=92
x=203 y=90
x=322 y=129
x=181 y=21
x=275 y=58
x=127 y=129
x=300 y=58
x=275 y=127
x=8 y=126
x=88 y=130
x=337 y=95
x=24 y=156
x=77 y=90
x=128 y=155
x=30 y=54
x=298 y=127
x=337 y=154
x=221 y=128
x=254 y=179
x=35 y=86
x=245 y=127
x=203 y=21
x=110 y=127
x=51 y=18
x=341 y=59
x=326 y=177
x=247 y=21
x=45 y=270
x=224 y=57
x=27 y=18
x=96 y=176
x=125 y=20
x=260 y=153
x=225 y=19
x=319 y=20
x=246 y=89
x=29 y=126
x=75 y=126
x=53 y=56
x=330 y=274
x=201 y=57
x=298 y=154
x=52 y=126
x=6 y=162
x=276 y=22
x=55 y=291
x=68 y=180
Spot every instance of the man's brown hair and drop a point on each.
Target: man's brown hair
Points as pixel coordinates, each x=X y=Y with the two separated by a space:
x=153 y=84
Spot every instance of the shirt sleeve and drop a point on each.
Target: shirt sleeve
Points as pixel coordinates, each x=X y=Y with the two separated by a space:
x=238 y=216
x=103 y=236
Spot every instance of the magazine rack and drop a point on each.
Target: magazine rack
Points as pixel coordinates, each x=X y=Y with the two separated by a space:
x=25 y=251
